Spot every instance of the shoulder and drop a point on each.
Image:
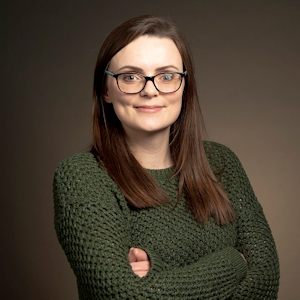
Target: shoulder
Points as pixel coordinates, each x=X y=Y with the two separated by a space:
x=84 y=193
x=81 y=174
x=214 y=148
x=231 y=174
x=220 y=157
x=81 y=162
x=226 y=166
x=78 y=165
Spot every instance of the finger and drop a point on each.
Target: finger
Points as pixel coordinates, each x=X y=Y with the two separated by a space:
x=141 y=273
x=140 y=254
x=141 y=269
x=131 y=255
x=140 y=266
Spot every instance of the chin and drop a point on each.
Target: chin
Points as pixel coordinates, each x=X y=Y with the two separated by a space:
x=154 y=129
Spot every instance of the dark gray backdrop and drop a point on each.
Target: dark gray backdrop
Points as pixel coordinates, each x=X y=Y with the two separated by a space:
x=247 y=61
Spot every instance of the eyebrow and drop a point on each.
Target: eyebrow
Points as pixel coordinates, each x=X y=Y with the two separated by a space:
x=133 y=68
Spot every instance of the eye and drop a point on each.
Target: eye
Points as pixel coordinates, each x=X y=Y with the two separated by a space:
x=130 y=77
x=166 y=77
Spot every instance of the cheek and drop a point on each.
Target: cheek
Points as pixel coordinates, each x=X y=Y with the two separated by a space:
x=122 y=104
x=178 y=110
x=121 y=101
x=113 y=94
x=177 y=104
x=116 y=97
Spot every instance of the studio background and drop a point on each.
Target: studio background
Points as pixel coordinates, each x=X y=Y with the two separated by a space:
x=247 y=62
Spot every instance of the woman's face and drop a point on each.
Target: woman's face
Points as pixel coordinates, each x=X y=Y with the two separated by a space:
x=149 y=110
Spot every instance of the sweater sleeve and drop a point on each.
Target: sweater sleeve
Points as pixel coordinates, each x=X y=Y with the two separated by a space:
x=254 y=237
x=92 y=226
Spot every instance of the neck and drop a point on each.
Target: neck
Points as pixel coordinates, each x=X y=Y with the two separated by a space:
x=150 y=149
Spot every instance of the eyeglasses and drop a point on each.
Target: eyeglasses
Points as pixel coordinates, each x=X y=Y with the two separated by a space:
x=133 y=83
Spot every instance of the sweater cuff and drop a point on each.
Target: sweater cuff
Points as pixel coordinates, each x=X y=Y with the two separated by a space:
x=238 y=263
x=157 y=265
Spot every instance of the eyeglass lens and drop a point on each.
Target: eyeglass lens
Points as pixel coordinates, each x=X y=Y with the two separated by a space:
x=164 y=82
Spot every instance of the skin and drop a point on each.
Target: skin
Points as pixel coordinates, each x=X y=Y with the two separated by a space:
x=147 y=116
x=139 y=261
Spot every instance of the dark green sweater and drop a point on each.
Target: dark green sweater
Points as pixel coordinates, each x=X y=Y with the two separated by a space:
x=189 y=260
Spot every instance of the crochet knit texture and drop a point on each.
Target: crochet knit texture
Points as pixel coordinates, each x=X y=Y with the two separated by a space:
x=189 y=260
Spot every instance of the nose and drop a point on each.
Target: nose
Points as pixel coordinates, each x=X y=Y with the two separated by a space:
x=149 y=90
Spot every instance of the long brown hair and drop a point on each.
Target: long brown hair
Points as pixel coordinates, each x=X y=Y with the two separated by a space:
x=205 y=196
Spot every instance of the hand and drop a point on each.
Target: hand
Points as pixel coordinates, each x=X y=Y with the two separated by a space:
x=139 y=261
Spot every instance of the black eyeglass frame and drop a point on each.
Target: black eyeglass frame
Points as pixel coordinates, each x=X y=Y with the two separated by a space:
x=147 y=78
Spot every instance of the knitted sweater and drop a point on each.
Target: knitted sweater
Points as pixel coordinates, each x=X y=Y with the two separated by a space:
x=189 y=260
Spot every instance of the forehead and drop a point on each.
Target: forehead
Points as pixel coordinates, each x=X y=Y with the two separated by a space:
x=148 y=52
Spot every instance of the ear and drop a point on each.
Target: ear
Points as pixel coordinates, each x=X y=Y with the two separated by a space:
x=106 y=96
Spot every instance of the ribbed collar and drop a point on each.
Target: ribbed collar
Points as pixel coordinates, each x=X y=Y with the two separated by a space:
x=161 y=174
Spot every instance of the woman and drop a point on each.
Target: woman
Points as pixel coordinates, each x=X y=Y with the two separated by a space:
x=152 y=211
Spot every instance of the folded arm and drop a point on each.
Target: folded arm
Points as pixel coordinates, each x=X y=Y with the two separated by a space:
x=93 y=229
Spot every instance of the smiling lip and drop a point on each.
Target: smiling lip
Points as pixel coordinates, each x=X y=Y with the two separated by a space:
x=149 y=109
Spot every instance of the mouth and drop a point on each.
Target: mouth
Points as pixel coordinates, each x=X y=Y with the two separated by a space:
x=149 y=108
